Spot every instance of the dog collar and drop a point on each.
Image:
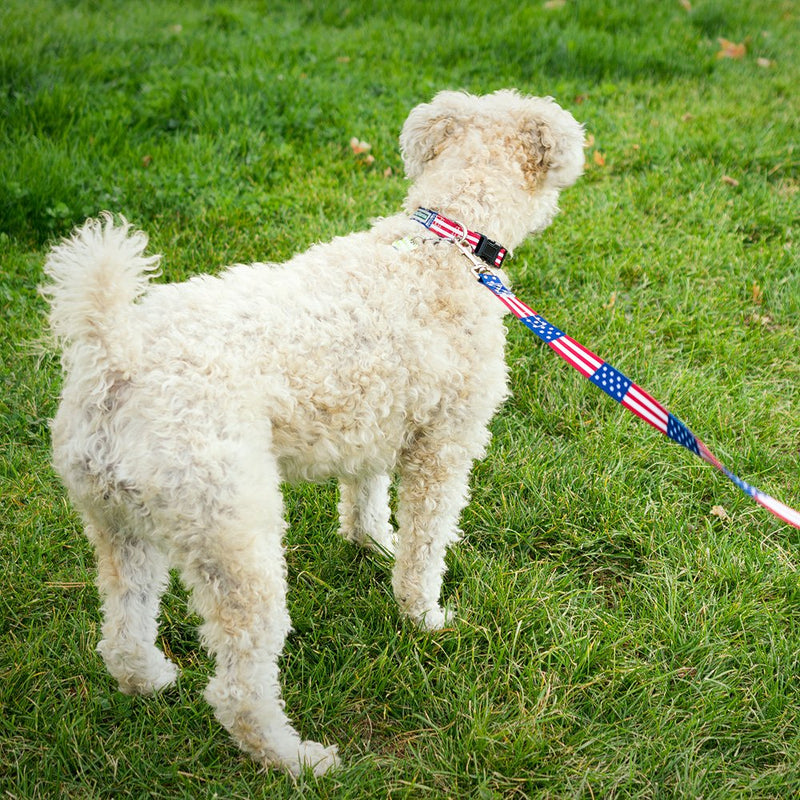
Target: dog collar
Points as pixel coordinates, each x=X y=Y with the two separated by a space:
x=484 y=248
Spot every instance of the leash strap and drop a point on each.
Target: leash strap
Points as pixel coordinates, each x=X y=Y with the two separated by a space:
x=624 y=390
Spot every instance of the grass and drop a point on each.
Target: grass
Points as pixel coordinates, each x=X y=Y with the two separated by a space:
x=616 y=637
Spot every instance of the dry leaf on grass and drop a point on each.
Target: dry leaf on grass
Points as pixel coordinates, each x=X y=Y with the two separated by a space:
x=719 y=511
x=359 y=147
x=730 y=181
x=728 y=49
x=599 y=158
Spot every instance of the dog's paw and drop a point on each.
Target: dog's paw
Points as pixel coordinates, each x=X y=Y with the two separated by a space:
x=435 y=619
x=152 y=673
x=384 y=545
x=315 y=757
x=382 y=542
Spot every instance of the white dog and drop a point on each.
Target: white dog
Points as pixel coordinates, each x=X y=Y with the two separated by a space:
x=185 y=406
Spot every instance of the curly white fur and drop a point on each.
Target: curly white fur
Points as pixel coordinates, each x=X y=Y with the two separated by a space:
x=184 y=406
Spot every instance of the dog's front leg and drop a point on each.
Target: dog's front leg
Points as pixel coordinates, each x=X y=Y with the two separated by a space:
x=364 y=512
x=431 y=495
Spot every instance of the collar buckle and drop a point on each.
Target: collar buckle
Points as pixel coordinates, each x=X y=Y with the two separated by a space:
x=488 y=250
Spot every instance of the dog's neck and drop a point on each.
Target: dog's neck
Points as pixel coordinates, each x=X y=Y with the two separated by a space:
x=502 y=213
x=478 y=244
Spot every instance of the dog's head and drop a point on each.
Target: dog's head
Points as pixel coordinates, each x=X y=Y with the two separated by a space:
x=504 y=148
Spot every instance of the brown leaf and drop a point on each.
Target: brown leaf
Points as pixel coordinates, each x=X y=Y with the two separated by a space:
x=763 y=320
x=757 y=293
x=687 y=6
x=728 y=49
x=599 y=158
x=359 y=147
x=730 y=181
x=719 y=511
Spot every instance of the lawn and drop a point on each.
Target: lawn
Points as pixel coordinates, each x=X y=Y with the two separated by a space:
x=628 y=623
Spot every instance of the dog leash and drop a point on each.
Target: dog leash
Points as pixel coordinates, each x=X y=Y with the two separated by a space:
x=613 y=382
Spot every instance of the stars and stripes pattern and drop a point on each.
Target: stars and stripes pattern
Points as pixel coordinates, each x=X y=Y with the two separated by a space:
x=626 y=392
x=455 y=231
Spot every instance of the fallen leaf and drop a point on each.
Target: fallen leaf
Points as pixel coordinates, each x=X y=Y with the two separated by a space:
x=359 y=147
x=147 y=161
x=599 y=158
x=612 y=301
x=764 y=320
x=730 y=181
x=728 y=49
x=687 y=117
x=687 y=6
x=719 y=511
x=757 y=293
x=589 y=141
x=387 y=173
x=343 y=59
x=370 y=159
x=551 y=4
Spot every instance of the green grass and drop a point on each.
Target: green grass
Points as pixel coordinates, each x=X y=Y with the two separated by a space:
x=615 y=638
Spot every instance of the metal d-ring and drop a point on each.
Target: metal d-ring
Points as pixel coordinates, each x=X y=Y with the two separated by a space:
x=462 y=239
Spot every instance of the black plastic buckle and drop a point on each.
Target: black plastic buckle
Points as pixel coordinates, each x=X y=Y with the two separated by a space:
x=487 y=250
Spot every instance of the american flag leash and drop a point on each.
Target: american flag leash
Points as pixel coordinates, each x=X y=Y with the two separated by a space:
x=623 y=389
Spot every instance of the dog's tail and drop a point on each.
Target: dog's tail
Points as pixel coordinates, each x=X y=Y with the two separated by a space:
x=95 y=275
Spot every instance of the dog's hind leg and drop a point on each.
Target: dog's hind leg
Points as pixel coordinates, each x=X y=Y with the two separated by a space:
x=364 y=512
x=131 y=576
x=431 y=494
x=230 y=553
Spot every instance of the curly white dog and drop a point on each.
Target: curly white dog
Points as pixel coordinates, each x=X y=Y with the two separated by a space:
x=184 y=406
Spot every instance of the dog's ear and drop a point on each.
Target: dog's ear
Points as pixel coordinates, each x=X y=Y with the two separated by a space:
x=428 y=127
x=553 y=147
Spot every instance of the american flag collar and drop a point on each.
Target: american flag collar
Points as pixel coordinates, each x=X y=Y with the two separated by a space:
x=479 y=245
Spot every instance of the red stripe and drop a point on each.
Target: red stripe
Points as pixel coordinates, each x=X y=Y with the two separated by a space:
x=647 y=400
x=587 y=355
x=643 y=413
x=509 y=303
x=449 y=229
x=571 y=358
x=779 y=509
